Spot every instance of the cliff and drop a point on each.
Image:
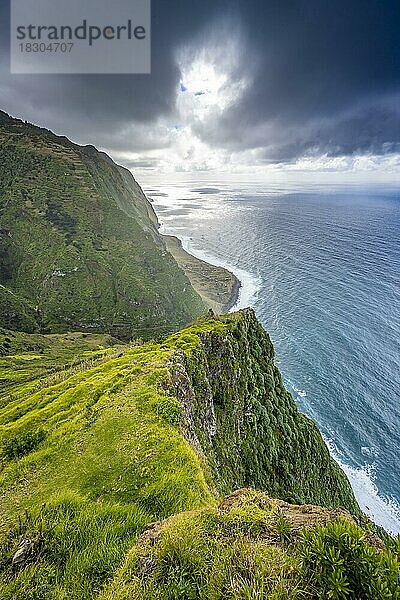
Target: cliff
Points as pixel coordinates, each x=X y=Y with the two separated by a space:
x=79 y=244
x=99 y=442
x=241 y=416
x=115 y=458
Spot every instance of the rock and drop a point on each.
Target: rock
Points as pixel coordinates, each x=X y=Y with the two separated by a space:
x=22 y=552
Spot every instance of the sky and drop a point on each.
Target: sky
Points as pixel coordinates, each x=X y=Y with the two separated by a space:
x=239 y=86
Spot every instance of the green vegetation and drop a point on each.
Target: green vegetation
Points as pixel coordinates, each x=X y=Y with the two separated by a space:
x=88 y=456
x=26 y=358
x=79 y=243
x=341 y=561
x=97 y=442
x=251 y=547
x=100 y=439
x=248 y=425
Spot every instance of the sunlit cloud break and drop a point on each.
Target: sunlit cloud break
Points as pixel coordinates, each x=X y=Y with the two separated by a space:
x=246 y=88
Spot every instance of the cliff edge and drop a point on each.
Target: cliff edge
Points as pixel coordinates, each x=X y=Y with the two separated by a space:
x=97 y=442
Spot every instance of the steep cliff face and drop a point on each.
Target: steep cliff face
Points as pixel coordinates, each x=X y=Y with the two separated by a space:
x=79 y=243
x=246 y=423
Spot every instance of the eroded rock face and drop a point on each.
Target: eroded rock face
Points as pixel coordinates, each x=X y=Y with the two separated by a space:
x=185 y=392
x=263 y=509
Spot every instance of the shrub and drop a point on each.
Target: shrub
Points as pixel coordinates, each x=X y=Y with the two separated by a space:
x=337 y=562
x=169 y=409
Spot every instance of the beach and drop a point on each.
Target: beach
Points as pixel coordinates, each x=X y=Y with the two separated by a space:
x=218 y=286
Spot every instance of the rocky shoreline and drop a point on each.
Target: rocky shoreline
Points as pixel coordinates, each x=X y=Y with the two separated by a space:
x=237 y=285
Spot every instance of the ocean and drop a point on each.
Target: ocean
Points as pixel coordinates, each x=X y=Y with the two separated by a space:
x=321 y=267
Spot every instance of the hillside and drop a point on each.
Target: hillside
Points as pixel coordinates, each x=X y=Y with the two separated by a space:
x=119 y=437
x=251 y=546
x=139 y=460
x=79 y=244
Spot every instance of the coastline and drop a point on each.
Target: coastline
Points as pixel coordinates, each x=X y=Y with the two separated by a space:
x=377 y=508
x=218 y=286
x=243 y=293
x=235 y=293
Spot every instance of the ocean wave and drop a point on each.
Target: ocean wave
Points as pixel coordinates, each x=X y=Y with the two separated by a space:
x=383 y=511
x=299 y=392
x=250 y=283
x=250 y=288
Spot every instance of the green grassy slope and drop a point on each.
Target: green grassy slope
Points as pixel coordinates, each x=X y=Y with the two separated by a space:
x=79 y=243
x=89 y=457
x=26 y=358
x=251 y=547
x=93 y=451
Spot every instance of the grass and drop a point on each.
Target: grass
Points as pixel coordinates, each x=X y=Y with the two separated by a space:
x=237 y=552
x=86 y=461
x=28 y=358
x=97 y=442
x=105 y=426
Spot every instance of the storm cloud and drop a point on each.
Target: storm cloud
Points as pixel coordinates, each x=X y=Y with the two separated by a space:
x=296 y=78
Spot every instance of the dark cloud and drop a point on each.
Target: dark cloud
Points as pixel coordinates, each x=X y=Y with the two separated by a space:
x=372 y=127
x=319 y=55
x=312 y=63
x=324 y=79
x=107 y=102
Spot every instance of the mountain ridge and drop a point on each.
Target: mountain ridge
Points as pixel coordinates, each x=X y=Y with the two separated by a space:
x=80 y=242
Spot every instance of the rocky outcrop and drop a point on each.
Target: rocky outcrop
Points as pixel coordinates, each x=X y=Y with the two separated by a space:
x=253 y=546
